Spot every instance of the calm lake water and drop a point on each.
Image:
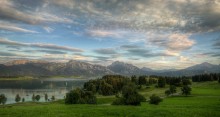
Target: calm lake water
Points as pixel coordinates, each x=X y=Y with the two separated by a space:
x=51 y=87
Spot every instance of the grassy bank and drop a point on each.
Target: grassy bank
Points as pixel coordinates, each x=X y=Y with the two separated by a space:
x=204 y=102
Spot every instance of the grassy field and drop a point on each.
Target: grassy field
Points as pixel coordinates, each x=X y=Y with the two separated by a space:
x=204 y=102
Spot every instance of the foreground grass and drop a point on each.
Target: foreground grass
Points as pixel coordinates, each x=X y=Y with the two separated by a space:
x=204 y=102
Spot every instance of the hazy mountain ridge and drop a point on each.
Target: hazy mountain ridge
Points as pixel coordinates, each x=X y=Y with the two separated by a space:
x=78 y=68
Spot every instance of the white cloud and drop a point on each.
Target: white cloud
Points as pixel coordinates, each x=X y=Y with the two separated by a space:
x=179 y=42
x=13 y=27
x=39 y=45
x=48 y=29
x=9 y=11
x=103 y=33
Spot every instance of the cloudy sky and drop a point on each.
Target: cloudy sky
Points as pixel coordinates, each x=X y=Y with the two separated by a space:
x=159 y=34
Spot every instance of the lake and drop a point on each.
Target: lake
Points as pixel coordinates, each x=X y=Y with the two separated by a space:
x=57 y=87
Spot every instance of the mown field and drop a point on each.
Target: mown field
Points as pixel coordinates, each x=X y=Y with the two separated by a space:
x=204 y=102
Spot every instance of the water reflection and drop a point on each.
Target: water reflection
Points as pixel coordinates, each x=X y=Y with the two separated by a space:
x=51 y=87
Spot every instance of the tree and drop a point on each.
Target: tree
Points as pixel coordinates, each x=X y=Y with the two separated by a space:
x=23 y=100
x=172 y=89
x=106 y=89
x=134 y=79
x=218 y=80
x=186 y=90
x=33 y=98
x=154 y=99
x=3 y=99
x=37 y=97
x=186 y=82
x=46 y=97
x=161 y=82
x=53 y=98
x=17 y=98
x=142 y=80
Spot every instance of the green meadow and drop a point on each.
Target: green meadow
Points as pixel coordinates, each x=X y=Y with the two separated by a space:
x=204 y=101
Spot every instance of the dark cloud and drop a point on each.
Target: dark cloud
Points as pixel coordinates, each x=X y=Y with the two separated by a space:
x=7 y=54
x=45 y=51
x=39 y=45
x=129 y=46
x=11 y=10
x=107 y=51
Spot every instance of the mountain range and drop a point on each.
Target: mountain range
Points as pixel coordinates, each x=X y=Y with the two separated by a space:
x=77 y=68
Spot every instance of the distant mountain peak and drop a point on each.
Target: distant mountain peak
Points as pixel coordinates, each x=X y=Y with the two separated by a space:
x=146 y=69
x=205 y=64
x=24 y=61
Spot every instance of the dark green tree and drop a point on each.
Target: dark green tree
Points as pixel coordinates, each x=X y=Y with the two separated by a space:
x=33 y=98
x=53 y=98
x=161 y=82
x=23 y=100
x=154 y=99
x=46 y=97
x=142 y=80
x=172 y=89
x=17 y=98
x=186 y=82
x=3 y=99
x=134 y=79
x=186 y=90
x=37 y=97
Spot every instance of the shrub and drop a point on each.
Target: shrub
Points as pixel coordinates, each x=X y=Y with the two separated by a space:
x=154 y=99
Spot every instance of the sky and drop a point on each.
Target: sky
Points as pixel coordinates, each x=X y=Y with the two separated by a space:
x=158 y=34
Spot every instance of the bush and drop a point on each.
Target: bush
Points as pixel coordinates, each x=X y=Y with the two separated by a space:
x=154 y=99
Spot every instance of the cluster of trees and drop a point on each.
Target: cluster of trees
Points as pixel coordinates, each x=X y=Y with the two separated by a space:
x=130 y=96
x=35 y=98
x=79 y=96
x=3 y=99
x=107 y=85
x=143 y=80
x=123 y=87
x=18 y=98
x=206 y=77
